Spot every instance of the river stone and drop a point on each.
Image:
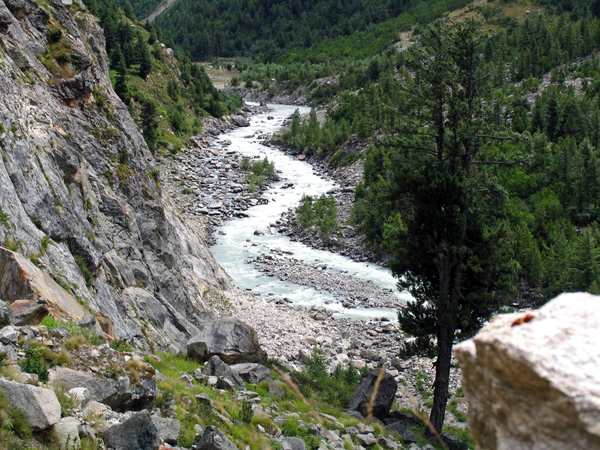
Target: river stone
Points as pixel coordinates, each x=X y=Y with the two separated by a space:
x=66 y=433
x=252 y=373
x=383 y=400
x=40 y=406
x=230 y=339
x=214 y=439
x=136 y=433
x=533 y=380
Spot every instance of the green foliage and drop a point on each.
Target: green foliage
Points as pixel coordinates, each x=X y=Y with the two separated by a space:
x=33 y=363
x=316 y=383
x=85 y=270
x=246 y=412
x=4 y=219
x=260 y=171
x=12 y=422
x=121 y=345
x=51 y=322
x=321 y=215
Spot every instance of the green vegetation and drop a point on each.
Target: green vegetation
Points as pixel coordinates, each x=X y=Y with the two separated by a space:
x=12 y=423
x=260 y=171
x=319 y=214
x=283 y=31
x=167 y=112
x=319 y=387
x=34 y=363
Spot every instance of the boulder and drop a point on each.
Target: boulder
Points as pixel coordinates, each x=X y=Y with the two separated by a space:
x=81 y=396
x=252 y=373
x=292 y=443
x=136 y=433
x=216 y=367
x=240 y=121
x=214 y=439
x=21 y=279
x=28 y=312
x=119 y=394
x=403 y=428
x=368 y=440
x=9 y=335
x=383 y=400
x=168 y=429
x=6 y=314
x=533 y=380
x=275 y=389
x=40 y=406
x=230 y=339
x=66 y=433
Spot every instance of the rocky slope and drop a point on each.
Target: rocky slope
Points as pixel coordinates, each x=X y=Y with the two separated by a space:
x=77 y=197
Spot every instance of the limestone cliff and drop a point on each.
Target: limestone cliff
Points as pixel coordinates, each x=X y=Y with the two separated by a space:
x=76 y=193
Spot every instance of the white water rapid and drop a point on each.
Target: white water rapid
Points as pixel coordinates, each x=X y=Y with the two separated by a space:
x=233 y=250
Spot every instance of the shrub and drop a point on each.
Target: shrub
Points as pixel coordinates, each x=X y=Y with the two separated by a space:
x=246 y=412
x=121 y=345
x=33 y=363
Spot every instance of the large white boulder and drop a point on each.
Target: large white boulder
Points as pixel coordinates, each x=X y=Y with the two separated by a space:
x=533 y=380
x=40 y=406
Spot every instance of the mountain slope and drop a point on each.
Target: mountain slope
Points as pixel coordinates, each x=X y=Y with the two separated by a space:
x=77 y=197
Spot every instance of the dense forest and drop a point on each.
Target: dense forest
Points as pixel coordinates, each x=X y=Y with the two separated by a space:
x=552 y=191
x=269 y=30
x=167 y=93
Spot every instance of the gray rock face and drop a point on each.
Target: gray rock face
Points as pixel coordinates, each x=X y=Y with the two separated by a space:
x=63 y=197
x=214 y=439
x=216 y=367
x=404 y=430
x=40 y=406
x=119 y=394
x=385 y=395
x=6 y=314
x=168 y=429
x=252 y=373
x=136 y=433
x=533 y=381
x=230 y=339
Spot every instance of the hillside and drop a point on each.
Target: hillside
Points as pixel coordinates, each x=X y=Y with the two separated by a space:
x=79 y=200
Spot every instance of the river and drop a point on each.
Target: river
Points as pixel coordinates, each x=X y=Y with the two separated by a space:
x=236 y=244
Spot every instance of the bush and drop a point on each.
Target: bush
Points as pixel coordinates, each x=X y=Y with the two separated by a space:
x=316 y=383
x=246 y=412
x=33 y=363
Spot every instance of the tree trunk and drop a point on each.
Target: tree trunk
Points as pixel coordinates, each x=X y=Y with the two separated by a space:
x=442 y=379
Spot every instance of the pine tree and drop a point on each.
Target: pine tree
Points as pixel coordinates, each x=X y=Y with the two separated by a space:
x=449 y=241
x=121 y=87
x=148 y=118
x=145 y=61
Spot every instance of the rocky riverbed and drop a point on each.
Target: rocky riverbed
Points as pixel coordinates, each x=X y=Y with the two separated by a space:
x=351 y=290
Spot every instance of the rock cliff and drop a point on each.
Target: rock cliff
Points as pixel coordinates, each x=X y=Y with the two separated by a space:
x=533 y=380
x=76 y=194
